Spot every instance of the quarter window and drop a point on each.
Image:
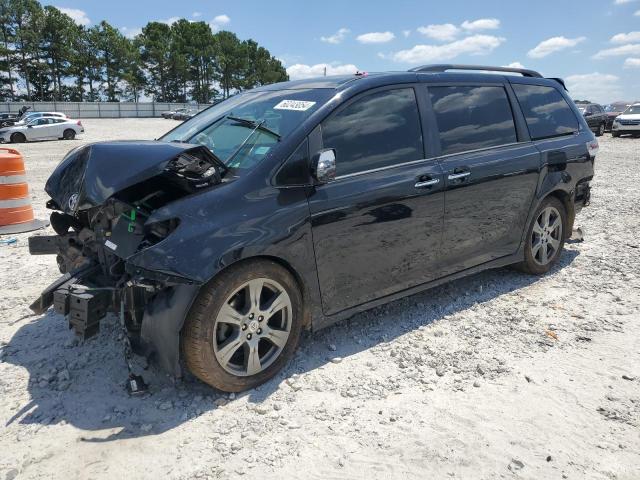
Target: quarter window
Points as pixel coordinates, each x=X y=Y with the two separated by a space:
x=379 y=130
x=470 y=118
x=546 y=111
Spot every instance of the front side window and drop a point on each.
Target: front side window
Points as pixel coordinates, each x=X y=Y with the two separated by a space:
x=470 y=118
x=242 y=130
x=380 y=130
x=546 y=111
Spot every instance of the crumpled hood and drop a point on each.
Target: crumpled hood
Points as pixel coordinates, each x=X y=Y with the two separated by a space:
x=91 y=174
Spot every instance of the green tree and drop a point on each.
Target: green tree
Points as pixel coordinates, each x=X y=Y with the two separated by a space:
x=112 y=49
x=155 y=52
x=230 y=62
x=26 y=16
x=261 y=68
x=58 y=39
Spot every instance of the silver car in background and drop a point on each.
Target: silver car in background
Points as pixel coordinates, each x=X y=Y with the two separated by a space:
x=42 y=128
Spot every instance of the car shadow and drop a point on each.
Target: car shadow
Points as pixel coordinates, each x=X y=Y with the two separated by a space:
x=82 y=384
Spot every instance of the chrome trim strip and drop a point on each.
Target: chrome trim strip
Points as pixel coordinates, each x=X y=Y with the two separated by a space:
x=427 y=183
x=380 y=169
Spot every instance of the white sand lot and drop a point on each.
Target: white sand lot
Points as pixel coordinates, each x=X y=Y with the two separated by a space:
x=500 y=375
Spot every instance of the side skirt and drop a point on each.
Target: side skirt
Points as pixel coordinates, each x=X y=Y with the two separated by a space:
x=325 y=321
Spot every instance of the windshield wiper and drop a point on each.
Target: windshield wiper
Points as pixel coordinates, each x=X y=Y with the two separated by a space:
x=255 y=125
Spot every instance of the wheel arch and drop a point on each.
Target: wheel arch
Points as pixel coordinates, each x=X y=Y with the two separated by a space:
x=567 y=201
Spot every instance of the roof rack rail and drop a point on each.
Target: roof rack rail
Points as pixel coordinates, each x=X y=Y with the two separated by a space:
x=445 y=67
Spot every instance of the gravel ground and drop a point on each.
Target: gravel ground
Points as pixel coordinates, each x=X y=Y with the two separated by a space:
x=497 y=375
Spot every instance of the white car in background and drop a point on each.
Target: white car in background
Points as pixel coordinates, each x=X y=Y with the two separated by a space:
x=33 y=115
x=43 y=128
x=627 y=122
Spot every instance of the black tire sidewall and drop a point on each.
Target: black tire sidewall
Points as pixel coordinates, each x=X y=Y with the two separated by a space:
x=204 y=364
x=68 y=134
x=18 y=138
x=529 y=265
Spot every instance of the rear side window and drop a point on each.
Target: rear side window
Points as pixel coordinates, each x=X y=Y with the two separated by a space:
x=470 y=118
x=379 y=130
x=547 y=112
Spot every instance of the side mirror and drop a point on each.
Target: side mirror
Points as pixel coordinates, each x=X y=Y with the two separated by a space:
x=29 y=126
x=324 y=166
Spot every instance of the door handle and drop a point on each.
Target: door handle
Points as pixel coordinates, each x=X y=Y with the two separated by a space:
x=427 y=183
x=458 y=176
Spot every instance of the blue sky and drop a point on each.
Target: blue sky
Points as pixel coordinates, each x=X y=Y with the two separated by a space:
x=593 y=44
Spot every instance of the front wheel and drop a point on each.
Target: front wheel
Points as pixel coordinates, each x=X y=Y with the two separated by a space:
x=18 y=138
x=244 y=326
x=545 y=237
x=600 y=131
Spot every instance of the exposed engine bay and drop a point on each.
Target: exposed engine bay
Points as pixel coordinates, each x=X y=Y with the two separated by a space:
x=103 y=221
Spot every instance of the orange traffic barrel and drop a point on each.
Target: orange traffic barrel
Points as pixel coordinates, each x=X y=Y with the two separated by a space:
x=16 y=213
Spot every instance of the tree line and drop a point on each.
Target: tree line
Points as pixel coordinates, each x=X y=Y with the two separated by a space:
x=45 y=55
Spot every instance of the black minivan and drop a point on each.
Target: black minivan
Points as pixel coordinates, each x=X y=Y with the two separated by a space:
x=297 y=204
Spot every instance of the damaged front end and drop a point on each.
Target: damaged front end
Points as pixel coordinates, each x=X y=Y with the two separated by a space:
x=104 y=199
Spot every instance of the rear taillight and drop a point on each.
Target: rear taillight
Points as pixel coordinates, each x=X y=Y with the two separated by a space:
x=79 y=123
x=593 y=147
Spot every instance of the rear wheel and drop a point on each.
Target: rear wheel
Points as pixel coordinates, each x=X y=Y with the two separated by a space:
x=244 y=326
x=545 y=237
x=18 y=138
x=69 y=134
x=600 y=131
x=615 y=134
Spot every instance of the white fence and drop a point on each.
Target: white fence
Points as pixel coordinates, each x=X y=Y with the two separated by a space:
x=99 y=109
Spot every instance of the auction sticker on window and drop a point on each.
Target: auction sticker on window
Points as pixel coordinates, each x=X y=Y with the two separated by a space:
x=297 y=105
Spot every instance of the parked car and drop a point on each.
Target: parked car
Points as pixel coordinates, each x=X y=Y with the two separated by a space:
x=26 y=118
x=595 y=116
x=170 y=113
x=298 y=204
x=627 y=122
x=42 y=128
x=185 y=114
x=612 y=111
x=7 y=119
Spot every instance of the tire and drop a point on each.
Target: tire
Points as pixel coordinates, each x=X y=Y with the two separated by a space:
x=18 y=138
x=544 y=236
x=600 y=131
x=615 y=134
x=69 y=134
x=220 y=353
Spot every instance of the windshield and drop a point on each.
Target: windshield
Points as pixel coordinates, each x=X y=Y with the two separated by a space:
x=614 y=108
x=241 y=130
x=632 y=110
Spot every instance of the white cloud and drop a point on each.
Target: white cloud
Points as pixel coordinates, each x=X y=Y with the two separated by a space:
x=554 y=44
x=515 y=65
x=218 y=22
x=446 y=32
x=629 y=49
x=632 y=63
x=622 y=2
x=406 y=33
x=130 y=32
x=481 y=24
x=337 y=37
x=637 y=14
x=170 y=20
x=596 y=87
x=473 y=45
x=376 y=37
x=299 y=70
x=626 y=37
x=196 y=14
x=77 y=15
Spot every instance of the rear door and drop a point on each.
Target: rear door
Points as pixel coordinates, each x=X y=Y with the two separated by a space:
x=377 y=229
x=491 y=172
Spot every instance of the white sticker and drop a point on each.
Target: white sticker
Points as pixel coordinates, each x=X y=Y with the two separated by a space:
x=111 y=245
x=262 y=150
x=297 y=105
